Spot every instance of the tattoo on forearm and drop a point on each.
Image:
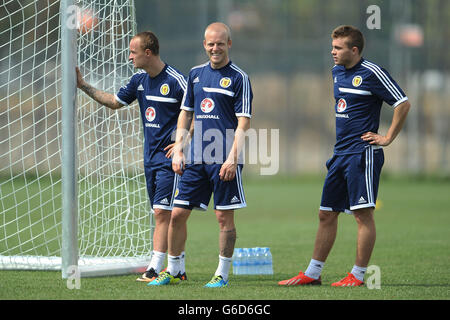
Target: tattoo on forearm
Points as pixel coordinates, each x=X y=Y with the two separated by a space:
x=101 y=97
x=89 y=90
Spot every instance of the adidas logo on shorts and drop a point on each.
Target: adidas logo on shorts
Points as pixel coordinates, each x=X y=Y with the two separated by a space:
x=234 y=199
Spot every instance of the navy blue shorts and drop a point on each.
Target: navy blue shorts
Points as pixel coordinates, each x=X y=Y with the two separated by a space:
x=352 y=181
x=199 y=181
x=161 y=185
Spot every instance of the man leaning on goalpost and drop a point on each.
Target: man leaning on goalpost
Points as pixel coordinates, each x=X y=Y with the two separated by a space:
x=159 y=89
x=351 y=185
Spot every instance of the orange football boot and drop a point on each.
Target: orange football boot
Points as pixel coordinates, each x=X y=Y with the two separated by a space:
x=300 y=280
x=348 y=281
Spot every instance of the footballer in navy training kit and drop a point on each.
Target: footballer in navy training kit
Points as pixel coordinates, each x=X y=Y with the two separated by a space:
x=159 y=89
x=351 y=185
x=218 y=99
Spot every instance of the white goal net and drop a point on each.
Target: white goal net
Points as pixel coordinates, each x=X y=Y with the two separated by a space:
x=114 y=221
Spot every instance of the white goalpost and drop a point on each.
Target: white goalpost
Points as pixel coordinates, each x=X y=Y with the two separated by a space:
x=72 y=186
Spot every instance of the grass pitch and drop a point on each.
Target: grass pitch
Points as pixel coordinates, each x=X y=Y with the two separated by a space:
x=412 y=249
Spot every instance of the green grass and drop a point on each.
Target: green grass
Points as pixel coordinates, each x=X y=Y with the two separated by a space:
x=412 y=249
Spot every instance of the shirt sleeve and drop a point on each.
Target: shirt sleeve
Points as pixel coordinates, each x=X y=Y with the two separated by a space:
x=127 y=93
x=385 y=87
x=188 y=99
x=243 y=97
x=181 y=88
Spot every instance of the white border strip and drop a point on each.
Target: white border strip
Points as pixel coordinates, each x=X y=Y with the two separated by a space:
x=356 y=91
x=120 y=100
x=161 y=99
x=218 y=90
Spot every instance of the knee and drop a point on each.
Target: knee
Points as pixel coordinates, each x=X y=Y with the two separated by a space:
x=364 y=216
x=327 y=217
x=162 y=215
x=225 y=220
x=179 y=216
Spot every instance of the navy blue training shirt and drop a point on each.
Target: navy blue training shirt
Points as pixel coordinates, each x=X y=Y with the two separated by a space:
x=359 y=93
x=217 y=97
x=159 y=101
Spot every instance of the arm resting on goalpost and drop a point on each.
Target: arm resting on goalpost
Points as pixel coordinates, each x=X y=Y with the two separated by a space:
x=102 y=97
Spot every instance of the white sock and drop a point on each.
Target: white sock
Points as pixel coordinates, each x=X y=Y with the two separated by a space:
x=359 y=272
x=314 y=269
x=157 y=261
x=224 y=267
x=182 y=264
x=173 y=265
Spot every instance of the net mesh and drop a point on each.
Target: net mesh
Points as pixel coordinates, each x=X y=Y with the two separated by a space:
x=114 y=218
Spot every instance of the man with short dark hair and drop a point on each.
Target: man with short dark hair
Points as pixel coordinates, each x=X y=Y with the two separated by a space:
x=159 y=89
x=351 y=185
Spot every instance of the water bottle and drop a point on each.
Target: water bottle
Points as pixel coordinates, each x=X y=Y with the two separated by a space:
x=246 y=261
x=259 y=260
x=252 y=261
x=237 y=261
x=267 y=261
